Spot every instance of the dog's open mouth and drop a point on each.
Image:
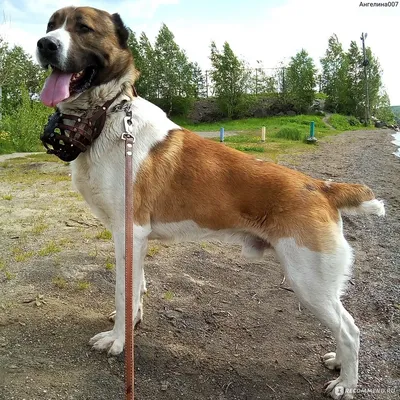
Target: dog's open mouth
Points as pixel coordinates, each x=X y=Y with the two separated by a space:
x=62 y=85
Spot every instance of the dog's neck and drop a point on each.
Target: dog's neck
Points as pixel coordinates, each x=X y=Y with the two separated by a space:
x=98 y=95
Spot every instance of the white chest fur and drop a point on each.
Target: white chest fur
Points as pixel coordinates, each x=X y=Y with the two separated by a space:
x=98 y=174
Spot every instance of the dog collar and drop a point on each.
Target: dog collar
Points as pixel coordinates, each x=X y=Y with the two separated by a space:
x=66 y=136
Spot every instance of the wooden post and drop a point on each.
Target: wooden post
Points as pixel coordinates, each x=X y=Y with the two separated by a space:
x=263 y=129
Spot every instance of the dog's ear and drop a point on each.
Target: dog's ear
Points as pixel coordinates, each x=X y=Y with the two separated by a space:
x=121 y=30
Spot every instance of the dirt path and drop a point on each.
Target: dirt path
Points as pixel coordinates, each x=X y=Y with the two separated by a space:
x=216 y=327
x=216 y=134
x=325 y=120
x=5 y=157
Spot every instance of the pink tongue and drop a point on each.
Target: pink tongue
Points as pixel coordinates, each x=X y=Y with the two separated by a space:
x=56 y=88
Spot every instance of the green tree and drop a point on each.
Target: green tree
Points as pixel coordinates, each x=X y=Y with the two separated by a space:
x=382 y=109
x=230 y=80
x=18 y=70
x=261 y=82
x=147 y=65
x=333 y=71
x=375 y=87
x=353 y=101
x=301 y=82
x=174 y=72
x=199 y=81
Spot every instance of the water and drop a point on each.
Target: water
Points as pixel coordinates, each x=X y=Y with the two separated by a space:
x=396 y=142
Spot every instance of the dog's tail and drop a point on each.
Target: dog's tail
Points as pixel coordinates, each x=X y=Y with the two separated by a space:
x=352 y=198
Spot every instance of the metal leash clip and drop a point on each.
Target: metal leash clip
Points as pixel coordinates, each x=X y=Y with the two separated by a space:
x=128 y=126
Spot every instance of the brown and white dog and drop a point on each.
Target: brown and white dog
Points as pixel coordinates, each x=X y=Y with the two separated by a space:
x=187 y=187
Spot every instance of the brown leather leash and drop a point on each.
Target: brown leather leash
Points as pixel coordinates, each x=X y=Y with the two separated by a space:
x=129 y=335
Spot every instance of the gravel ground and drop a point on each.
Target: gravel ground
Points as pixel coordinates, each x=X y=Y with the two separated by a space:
x=216 y=327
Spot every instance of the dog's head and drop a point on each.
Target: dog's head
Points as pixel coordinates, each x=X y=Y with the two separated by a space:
x=85 y=48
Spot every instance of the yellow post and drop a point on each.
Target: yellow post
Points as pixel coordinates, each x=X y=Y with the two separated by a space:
x=263 y=134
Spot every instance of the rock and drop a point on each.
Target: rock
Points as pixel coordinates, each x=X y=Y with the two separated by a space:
x=205 y=110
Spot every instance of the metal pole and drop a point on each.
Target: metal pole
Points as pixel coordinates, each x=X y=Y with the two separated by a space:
x=312 y=127
x=206 y=83
x=256 y=82
x=312 y=138
x=365 y=65
x=221 y=134
x=263 y=134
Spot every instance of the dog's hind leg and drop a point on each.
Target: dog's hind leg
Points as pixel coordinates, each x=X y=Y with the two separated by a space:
x=114 y=340
x=318 y=280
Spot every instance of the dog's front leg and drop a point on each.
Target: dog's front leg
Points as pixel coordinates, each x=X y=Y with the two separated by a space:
x=114 y=340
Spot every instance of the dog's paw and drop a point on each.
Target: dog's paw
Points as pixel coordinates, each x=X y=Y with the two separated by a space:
x=108 y=341
x=330 y=361
x=338 y=389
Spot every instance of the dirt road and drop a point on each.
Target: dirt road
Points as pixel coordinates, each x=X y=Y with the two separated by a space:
x=216 y=327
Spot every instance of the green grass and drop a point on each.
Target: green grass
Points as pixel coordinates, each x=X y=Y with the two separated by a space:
x=272 y=124
x=290 y=133
x=50 y=248
x=153 y=250
x=21 y=170
x=104 y=235
x=284 y=135
x=39 y=227
x=346 y=123
x=9 y=275
x=109 y=265
x=168 y=295
x=83 y=285
x=251 y=149
x=60 y=282
x=7 y=197
x=21 y=255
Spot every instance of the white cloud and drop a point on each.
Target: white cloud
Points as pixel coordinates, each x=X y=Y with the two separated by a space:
x=272 y=35
x=279 y=33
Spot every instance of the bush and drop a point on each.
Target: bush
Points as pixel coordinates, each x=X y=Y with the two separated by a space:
x=6 y=145
x=343 y=123
x=290 y=133
x=353 y=121
x=177 y=106
x=26 y=123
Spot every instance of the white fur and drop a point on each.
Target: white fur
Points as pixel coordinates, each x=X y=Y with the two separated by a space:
x=190 y=231
x=318 y=280
x=65 y=39
x=376 y=207
x=98 y=174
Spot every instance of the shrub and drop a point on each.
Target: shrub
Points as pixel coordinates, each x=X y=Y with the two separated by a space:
x=343 y=123
x=6 y=145
x=26 y=123
x=353 y=121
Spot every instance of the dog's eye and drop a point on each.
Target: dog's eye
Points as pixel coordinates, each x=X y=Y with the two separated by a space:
x=50 y=26
x=84 y=28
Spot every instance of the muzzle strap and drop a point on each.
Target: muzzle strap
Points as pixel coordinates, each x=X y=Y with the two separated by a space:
x=66 y=136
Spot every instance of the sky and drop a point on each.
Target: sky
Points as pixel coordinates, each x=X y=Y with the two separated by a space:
x=270 y=31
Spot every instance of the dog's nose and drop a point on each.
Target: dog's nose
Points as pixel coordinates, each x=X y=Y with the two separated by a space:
x=48 y=45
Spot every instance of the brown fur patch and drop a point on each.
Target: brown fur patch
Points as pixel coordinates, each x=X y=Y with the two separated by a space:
x=190 y=178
